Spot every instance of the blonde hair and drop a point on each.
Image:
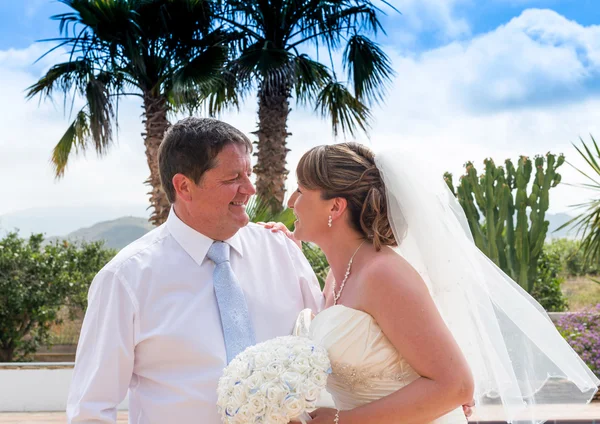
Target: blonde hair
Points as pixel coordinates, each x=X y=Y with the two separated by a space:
x=348 y=170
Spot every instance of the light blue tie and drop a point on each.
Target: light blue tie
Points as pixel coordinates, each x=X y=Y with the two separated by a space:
x=235 y=319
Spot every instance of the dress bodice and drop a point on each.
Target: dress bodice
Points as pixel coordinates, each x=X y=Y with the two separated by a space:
x=365 y=365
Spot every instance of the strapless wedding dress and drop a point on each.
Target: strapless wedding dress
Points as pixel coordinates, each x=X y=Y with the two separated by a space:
x=365 y=365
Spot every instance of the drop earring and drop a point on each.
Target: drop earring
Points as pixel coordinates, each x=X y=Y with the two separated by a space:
x=330 y=221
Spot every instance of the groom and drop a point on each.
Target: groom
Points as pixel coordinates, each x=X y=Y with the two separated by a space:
x=168 y=312
x=171 y=309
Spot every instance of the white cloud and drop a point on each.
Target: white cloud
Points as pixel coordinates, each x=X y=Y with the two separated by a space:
x=437 y=17
x=452 y=104
x=31 y=129
x=479 y=98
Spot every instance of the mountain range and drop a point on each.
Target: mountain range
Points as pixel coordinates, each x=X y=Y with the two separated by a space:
x=116 y=233
x=86 y=224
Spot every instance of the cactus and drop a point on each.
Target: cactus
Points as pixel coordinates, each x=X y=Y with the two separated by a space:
x=508 y=235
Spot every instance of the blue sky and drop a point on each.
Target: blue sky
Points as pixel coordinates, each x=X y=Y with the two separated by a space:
x=26 y=21
x=475 y=79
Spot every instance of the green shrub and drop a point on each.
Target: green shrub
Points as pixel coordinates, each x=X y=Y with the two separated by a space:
x=572 y=258
x=317 y=261
x=547 y=288
x=35 y=282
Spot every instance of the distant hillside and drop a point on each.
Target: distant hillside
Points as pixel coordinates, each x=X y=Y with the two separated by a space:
x=116 y=234
x=60 y=221
x=556 y=220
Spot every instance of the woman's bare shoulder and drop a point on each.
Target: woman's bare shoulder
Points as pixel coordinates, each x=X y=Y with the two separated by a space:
x=389 y=273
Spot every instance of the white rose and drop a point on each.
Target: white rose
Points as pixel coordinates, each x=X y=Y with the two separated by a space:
x=272 y=371
x=303 y=349
x=320 y=379
x=301 y=365
x=291 y=379
x=282 y=354
x=276 y=416
x=235 y=372
x=254 y=382
x=320 y=360
x=311 y=392
x=293 y=406
x=274 y=393
x=229 y=412
x=245 y=371
x=261 y=360
x=239 y=395
x=245 y=414
x=258 y=404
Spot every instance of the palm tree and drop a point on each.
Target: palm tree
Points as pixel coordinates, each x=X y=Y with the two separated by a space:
x=587 y=222
x=274 y=32
x=167 y=52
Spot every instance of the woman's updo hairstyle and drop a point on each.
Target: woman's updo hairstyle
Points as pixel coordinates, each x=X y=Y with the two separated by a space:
x=348 y=170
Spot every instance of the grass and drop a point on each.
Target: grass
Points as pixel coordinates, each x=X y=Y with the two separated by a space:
x=581 y=292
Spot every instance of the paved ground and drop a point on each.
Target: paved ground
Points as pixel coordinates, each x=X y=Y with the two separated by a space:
x=588 y=414
x=44 y=417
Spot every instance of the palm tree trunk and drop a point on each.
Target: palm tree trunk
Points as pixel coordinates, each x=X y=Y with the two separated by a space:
x=156 y=123
x=273 y=111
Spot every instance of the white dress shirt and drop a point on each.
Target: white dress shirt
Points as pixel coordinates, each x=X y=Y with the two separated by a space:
x=153 y=326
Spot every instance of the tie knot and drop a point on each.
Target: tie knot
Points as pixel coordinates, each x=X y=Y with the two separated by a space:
x=218 y=252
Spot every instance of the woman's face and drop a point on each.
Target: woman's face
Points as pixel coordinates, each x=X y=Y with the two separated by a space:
x=312 y=214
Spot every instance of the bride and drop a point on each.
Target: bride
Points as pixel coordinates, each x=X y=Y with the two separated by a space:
x=417 y=321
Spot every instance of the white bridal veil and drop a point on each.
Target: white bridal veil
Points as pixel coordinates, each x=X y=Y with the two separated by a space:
x=508 y=339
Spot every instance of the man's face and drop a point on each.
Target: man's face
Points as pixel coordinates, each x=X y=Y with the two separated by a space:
x=218 y=203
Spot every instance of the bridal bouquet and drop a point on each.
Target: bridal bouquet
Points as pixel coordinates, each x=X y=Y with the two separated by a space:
x=273 y=382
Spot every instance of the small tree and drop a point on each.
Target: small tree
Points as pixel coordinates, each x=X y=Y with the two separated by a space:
x=546 y=289
x=35 y=282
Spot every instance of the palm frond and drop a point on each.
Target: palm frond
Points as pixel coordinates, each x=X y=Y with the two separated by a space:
x=226 y=92
x=62 y=76
x=262 y=59
x=273 y=67
x=329 y=22
x=588 y=156
x=194 y=83
x=587 y=223
x=100 y=114
x=345 y=111
x=74 y=137
x=368 y=67
x=259 y=210
x=311 y=77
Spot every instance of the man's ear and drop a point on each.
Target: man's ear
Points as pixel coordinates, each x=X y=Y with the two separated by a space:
x=183 y=187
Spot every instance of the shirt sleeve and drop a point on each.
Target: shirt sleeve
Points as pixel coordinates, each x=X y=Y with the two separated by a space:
x=309 y=284
x=105 y=353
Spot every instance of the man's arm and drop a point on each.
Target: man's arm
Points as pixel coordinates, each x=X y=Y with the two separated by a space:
x=105 y=353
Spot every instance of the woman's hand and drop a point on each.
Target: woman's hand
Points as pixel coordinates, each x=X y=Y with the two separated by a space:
x=323 y=416
x=278 y=226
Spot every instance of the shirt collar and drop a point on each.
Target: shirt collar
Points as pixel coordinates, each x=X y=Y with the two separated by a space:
x=195 y=243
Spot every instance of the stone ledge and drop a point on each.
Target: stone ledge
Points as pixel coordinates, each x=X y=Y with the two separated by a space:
x=36 y=365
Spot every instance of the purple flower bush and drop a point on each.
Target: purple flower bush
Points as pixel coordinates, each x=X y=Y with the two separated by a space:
x=582 y=332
